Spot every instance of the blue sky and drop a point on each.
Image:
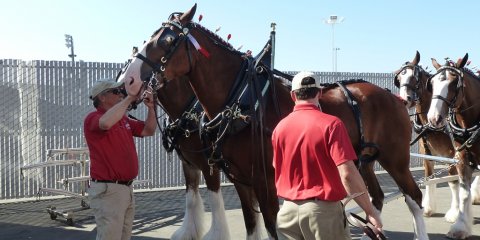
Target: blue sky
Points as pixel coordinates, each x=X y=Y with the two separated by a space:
x=376 y=36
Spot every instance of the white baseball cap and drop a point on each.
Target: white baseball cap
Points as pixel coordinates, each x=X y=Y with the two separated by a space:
x=305 y=80
x=102 y=85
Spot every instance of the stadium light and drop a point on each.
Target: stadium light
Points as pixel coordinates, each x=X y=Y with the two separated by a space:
x=332 y=20
x=69 y=44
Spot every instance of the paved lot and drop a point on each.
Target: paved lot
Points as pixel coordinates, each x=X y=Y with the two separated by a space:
x=159 y=214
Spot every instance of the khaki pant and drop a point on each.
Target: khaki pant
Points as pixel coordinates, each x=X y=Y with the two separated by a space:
x=312 y=220
x=114 y=208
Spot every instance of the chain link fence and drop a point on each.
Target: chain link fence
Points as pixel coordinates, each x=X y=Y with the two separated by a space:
x=43 y=104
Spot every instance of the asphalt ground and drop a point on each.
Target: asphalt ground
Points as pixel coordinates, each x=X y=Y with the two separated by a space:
x=160 y=213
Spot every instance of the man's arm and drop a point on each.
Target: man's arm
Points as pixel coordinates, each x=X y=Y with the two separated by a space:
x=115 y=113
x=151 y=121
x=353 y=183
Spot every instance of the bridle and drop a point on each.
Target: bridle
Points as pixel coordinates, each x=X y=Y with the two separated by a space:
x=170 y=41
x=470 y=135
x=416 y=74
x=452 y=104
x=417 y=89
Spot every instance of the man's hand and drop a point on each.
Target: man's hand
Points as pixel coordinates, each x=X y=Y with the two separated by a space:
x=376 y=222
x=148 y=100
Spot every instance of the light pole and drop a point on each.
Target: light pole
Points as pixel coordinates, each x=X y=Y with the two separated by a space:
x=272 y=39
x=332 y=20
x=336 y=57
x=69 y=44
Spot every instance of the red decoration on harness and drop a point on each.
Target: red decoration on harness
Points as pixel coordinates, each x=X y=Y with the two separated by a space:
x=229 y=36
x=204 y=52
x=197 y=46
x=200 y=18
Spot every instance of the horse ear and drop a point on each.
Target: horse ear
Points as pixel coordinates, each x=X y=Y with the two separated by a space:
x=416 y=60
x=188 y=16
x=435 y=64
x=134 y=51
x=396 y=83
x=461 y=62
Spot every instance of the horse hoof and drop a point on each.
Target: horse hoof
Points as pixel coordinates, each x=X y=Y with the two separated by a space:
x=458 y=235
x=428 y=213
x=451 y=216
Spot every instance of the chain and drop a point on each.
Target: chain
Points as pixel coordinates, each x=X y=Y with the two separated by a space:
x=421 y=182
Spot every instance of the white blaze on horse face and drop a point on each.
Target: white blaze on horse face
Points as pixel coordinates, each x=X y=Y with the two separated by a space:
x=405 y=92
x=131 y=76
x=437 y=114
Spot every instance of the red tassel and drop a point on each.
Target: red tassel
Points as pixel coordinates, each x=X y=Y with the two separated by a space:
x=200 y=18
x=204 y=52
x=229 y=36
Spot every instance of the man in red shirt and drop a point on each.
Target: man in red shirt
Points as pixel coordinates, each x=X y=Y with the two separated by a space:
x=314 y=169
x=113 y=157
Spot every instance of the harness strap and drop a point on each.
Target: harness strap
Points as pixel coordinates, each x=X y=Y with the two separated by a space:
x=353 y=103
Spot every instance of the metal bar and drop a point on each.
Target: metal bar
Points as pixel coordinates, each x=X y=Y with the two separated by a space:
x=66 y=181
x=62 y=192
x=53 y=163
x=446 y=179
x=436 y=158
x=87 y=178
x=52 y=152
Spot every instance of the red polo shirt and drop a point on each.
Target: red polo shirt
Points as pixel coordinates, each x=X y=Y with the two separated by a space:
x=308 y=146
x=113 y=155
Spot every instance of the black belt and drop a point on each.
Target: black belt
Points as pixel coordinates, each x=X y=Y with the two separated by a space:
x=126 y=183
x=308 y=199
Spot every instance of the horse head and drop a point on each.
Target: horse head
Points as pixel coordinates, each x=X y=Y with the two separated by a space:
x=447 y=87
x=181 y=47
x=160 y=51
x=410 y=80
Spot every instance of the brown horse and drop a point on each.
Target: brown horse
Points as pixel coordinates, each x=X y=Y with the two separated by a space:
x=455 y=93
x=411 y=79
x=179 y=103
x=215 y=69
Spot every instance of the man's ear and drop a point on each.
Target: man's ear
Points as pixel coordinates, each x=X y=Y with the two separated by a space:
x=292 y=95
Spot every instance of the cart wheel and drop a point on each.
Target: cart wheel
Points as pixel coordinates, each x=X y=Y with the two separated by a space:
x=51 y=211
x=84 y=204
x=70 y=221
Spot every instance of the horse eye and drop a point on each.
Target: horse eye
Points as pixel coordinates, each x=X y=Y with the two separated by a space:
x=404 y=71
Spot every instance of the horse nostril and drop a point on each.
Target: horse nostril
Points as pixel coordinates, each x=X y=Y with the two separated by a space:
x=131 y=81
x=409 y=98
x=439 y=120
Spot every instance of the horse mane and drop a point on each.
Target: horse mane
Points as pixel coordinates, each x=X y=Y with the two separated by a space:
x=470 y=71
x=216 y=37
x=422 y=70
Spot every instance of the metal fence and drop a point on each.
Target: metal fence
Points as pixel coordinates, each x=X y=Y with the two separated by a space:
x=43 y=104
